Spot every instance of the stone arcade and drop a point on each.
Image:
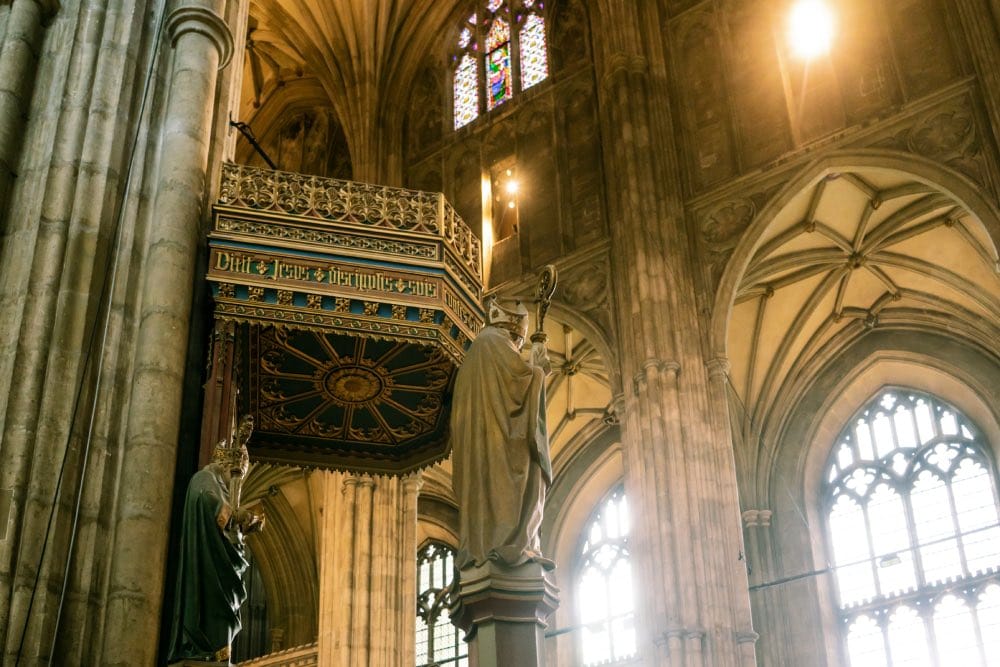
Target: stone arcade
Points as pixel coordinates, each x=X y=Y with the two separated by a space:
x=774 y=406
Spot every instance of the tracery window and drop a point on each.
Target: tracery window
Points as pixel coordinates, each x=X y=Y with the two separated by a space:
x=501 y=50
x=439 y=642
x=914 y=534
x=604 y=586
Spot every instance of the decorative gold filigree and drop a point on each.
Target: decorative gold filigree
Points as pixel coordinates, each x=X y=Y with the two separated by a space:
x=376 y=206
x=342 y=305
x=284 y=297
x=256 y=293
x=371 y=308
x=227 y=290
x=398 y=312
x=314 y=301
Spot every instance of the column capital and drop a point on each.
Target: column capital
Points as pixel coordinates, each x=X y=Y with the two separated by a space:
x=718 y=367
x=671 y=368
x=620 y=66
x=757 y=518
x=193 y=18
x=615 y=411
x=413 y=482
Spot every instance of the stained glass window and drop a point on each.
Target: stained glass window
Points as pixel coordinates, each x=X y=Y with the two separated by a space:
x=604 y=586
x=438 y=641
x=534 y=63
x=466 y=91
x=485 y=52
x=914 y=535
x=498 y=85
x=498 y=35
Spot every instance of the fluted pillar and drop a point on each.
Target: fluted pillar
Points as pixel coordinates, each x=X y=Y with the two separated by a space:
x=693 y=605
x=200 y=44
x=368 y=557
x=19 y=53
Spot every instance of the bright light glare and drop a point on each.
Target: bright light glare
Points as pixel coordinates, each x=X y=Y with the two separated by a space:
x=512 y=187
x=810 y=28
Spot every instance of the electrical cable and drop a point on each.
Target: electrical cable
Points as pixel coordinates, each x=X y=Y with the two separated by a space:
x=104 y=307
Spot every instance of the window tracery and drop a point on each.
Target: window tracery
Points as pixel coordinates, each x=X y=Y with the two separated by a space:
x=914 y=535
x=439 y=643
x=500 y=50
x=604 y=586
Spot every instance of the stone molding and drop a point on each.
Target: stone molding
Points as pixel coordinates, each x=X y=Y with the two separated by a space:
x=205 y=22
x=718 y=368
x=757 y=518
x=639 y=380
x=299 y=656
x=621 y=66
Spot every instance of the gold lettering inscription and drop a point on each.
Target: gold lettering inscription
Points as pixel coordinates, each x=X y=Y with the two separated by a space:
x=352 y=278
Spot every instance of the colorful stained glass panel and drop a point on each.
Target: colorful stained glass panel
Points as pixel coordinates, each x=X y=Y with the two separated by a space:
x=466 y=91
x=494 y=5
x=498 y=86
x=499 y=34
x=534 y=63
x=464 y=37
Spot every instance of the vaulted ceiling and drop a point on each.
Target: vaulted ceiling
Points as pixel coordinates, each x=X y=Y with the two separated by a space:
x=853 y=251
x=357 y=57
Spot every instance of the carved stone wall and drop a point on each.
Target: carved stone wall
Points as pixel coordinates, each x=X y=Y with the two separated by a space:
x=550 y=132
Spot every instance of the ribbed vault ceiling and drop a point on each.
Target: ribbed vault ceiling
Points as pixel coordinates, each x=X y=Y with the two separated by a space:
x=364 y=55
x=852 y=251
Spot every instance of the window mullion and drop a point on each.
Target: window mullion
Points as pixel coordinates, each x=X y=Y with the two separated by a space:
x=871 y=545
x=956 y=526
x=911 y=529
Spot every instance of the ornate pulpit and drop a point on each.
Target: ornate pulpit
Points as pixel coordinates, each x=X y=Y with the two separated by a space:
x=342 y=311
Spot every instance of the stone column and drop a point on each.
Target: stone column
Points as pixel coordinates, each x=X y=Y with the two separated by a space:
x=981 y=23
x=368 y=553
x=19 y=49
x=200 y=45
x=692 y=600
x=503 y=611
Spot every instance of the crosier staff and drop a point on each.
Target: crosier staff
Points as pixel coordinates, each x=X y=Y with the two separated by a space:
x=546 y=287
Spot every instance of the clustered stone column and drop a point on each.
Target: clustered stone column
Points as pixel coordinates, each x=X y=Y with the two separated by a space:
x=368 y=575
x=18 y=64
x=201 y=45
x=692 y=602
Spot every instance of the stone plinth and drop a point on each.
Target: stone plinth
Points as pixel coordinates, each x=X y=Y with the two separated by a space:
x=502 y=611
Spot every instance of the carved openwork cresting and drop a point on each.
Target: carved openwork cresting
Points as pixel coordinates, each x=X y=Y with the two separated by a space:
x=354 y=305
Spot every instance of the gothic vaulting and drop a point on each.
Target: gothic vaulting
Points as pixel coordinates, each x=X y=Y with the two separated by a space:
x=774 y=406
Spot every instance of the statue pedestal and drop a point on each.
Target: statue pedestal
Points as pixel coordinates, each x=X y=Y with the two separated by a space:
x=502 y=611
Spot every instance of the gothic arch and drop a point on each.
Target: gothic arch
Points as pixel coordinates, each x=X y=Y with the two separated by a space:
x=949 y=181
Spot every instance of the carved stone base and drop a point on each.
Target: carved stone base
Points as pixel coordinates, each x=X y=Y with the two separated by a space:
x=502 y=611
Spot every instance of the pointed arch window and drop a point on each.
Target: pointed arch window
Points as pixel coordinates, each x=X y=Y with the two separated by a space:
x=914 y=535
x=439 y=643
x=501 y=50
x=604 y=586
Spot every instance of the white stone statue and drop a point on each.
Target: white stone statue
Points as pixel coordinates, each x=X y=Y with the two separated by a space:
x=500 y=447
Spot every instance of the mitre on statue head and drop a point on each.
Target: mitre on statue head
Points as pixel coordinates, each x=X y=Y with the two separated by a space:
x=513 y=318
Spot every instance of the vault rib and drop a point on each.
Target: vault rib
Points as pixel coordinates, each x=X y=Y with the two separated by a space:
x=794 y=330
x=953 y=280
x=914 y=209
x=809 y=258
x=910 y=232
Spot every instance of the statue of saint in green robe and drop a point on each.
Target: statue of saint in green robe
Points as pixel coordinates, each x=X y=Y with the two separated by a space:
x=500 y=449
x=210 y=587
